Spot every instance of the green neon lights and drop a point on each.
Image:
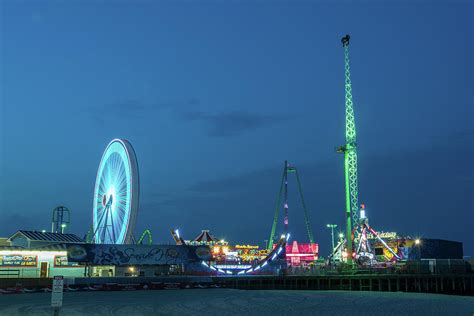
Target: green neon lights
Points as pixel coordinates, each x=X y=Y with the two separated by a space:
x=350 y=152
x=146 y=233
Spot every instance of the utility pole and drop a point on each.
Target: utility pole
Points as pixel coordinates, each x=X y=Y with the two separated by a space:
x=332 y=226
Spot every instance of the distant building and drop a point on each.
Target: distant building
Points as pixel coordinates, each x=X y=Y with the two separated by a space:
x=409 y=248
x=32 y=254
x=439 y=249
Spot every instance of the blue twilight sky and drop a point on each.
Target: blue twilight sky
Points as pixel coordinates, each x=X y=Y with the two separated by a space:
x=215 y=95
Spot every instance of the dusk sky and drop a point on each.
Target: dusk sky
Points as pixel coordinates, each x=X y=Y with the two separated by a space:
x=215 y=95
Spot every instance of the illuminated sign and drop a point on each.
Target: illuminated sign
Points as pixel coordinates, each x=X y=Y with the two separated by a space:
x=61 y=261
x=246 y=247
x=18 y=260
x=383 y=235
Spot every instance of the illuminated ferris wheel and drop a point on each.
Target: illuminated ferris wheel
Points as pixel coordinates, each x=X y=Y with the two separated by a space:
x=116 y=194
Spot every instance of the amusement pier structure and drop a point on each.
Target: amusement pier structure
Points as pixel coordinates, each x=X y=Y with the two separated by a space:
x=116 y=194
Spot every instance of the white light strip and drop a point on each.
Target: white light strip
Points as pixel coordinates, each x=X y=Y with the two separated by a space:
x=32 y=252
x=300 y=255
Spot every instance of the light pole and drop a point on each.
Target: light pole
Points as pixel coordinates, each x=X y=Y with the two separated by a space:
x=332 y=226
x=341 y=236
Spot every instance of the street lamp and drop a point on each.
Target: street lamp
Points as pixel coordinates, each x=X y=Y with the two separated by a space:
x=332 y=226
x=417 y=244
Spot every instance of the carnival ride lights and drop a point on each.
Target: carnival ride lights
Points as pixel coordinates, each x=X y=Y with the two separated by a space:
x=146 y=233
x=177 y=238
x=350 y=156
x=256 y=267
x=356 y=226
x=363 y=252
x=116 y=193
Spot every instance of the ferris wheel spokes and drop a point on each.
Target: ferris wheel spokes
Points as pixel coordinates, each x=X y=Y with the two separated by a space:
x=116 y=194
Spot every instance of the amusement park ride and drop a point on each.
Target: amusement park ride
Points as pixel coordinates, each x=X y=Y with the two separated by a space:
x=284 y=189
x=356 y=226
x=116 y=193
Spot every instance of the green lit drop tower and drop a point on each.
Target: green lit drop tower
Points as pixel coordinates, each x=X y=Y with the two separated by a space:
x=350 y=158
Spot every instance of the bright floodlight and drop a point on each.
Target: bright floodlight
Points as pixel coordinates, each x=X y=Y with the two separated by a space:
x=417 y=241
x=116 y=194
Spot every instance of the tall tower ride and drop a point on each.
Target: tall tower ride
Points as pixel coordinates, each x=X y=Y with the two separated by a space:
x=350 y=157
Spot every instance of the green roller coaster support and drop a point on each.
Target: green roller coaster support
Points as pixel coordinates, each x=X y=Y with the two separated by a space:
x=146 y=232
x=306 y=216
x=277 y=211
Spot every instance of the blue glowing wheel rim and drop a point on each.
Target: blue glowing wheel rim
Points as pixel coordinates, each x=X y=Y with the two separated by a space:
x=116 y=194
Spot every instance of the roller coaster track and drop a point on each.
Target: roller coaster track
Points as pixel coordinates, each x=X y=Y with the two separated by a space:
x=146 y=232
x=277 y=253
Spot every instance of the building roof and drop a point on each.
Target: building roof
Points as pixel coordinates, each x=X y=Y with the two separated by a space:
x=46 y=236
